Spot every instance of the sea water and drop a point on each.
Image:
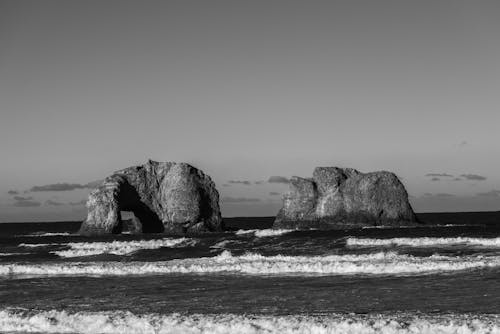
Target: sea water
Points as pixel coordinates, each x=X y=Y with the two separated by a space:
x=430 y=279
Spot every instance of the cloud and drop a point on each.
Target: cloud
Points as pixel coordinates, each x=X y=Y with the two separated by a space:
x=53 y=203
x=435 y=179
x=66 y=186
x=278 y=179
x=246 y=183
x=438 y=175
x=492 y=193
x=444 y=195
x=441 y=195
x=274 y=193
x=12 y=192
x=473 y=177
x=457 y=179
x=461 y=144
x=20 y=198
x=259 y=182
x=82 y=202
x=25 y=202
x=58 y=187
x=228 y=199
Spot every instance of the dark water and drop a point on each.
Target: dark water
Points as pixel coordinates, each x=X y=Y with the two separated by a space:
x=259 y=281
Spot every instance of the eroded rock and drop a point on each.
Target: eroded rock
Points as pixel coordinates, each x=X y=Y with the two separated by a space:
x=344 y=197
x=163 y=196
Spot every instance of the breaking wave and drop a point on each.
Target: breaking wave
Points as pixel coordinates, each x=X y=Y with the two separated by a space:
x=37 y=245
x=416 y=226
x=110 y=322
x=382 y=263
x=12 y=254
x=78 y=249
x=46 y=234
x=265 y=232
x=424 y=242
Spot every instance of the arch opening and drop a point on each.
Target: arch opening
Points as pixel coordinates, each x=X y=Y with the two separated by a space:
x=137 y=215
x=130 y=223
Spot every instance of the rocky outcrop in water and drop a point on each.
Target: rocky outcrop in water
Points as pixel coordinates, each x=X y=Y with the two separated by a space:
x=343 y=197
x=163 y=196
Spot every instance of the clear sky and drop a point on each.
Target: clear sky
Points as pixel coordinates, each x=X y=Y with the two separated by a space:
x=246 y=90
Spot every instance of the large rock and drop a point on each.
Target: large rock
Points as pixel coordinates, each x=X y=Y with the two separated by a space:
x=163 y=196
x=344 y=197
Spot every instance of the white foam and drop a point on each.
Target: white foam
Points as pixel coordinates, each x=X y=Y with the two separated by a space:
x=416 y=226
x=424 y=242
x=269 y=232
x=222 y=244
x=241 y=232
x=120 y=247
x=46 y=234
x=111 y=322
x=36 y=245
x=11 y=254
x=382 y=263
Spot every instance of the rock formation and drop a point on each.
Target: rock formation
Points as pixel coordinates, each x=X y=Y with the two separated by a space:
x=163 y=196
x=344 y=197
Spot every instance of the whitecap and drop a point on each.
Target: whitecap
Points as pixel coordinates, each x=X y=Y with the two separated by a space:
x=37 y=245
x=111 y=322
x=423 y=242
x=381 y=263
x=222 y=244
x=47 y=234
x=78 y=249
x=12 y=254
x=269 y=232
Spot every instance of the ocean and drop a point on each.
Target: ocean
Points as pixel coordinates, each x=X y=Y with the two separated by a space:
x=442 y=277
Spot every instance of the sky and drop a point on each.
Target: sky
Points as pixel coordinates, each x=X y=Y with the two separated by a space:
x=248 y=90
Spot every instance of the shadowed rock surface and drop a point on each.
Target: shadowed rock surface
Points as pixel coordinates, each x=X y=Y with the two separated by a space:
x=344 y=197
x=163 y=197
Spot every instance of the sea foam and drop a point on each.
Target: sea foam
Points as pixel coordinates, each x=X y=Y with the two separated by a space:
x=12 y=254
x=120 y=247
x=269 y=232
x=77 y=249
x=46 y=234
x=381 y=263
x=424 y=242
x=111 y=322
x=37 y=245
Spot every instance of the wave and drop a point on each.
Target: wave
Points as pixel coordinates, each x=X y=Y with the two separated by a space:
x=222 y=244
x=12 y=254
x=78 y=249
x=382 y=263
x=110 y=322
x=37 y=245
x=418 y=226
x=424 y=242
x=46 y=234
x=269 y=232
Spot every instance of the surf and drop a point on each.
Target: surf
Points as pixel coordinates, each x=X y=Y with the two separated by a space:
x=424 y=242
x=111 y=322
x=380 y=263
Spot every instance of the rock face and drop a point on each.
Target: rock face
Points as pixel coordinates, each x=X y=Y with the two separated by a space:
x=344 y=197
x=163 y=196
